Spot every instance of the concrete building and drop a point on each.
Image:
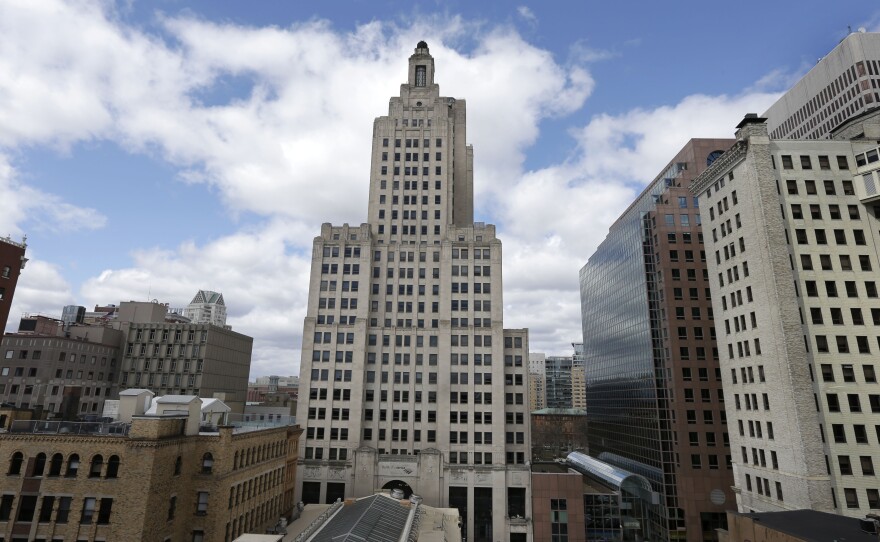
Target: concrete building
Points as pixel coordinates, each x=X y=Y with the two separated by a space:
x=654 y=391
x=61 y=376
x=791 y=234
x=182 y=358
x=408 y=378
x=537 y=381
x=149 y=478
x=207 y=307
x=843 y=84
x=12 y=261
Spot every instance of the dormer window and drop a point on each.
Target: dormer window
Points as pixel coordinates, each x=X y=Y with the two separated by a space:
x=421 y=76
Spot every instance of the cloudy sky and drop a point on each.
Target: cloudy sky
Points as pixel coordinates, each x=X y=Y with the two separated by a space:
x=150 y=149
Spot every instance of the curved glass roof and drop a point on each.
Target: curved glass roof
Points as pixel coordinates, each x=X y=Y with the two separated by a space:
x=611 y=475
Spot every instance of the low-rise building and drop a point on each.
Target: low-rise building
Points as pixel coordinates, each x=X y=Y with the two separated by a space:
x=147 y=477
x=557 y=431
x=797 y=526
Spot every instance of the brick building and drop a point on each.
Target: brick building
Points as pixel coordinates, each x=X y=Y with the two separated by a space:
x=12 y=261
x=151 y=478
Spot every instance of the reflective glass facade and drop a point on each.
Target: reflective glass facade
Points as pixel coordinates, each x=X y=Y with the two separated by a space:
x=623 y=387
x=653 y=390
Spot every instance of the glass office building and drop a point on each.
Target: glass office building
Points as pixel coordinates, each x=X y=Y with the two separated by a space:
x=653 y=386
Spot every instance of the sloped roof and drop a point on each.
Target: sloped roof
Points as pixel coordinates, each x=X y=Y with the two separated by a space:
x=177 y=399
x=215 y=405
x=207 y=296
x=375 y=519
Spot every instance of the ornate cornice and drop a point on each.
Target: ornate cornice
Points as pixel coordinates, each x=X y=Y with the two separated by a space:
x=725 y=162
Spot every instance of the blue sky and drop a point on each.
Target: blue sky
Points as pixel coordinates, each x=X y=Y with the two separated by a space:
x=149 y=149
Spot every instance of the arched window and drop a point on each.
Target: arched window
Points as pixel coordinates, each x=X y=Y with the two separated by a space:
x=178 y=464
x=112 y=467
x=72 y=466
x=96 y=466
x=207 y=463
x=15 y=463
x=55 y=465
x=39 y=464
x=6 y=272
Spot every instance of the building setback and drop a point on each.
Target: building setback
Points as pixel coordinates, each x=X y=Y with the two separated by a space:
x=793 y=258
x=12 y=261
x=408 y=379
x=654 y=397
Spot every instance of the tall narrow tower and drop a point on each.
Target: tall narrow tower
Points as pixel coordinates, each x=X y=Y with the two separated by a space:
x=408 y=379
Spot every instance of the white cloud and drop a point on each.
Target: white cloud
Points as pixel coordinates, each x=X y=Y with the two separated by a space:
x=293 y=145
x=526 y=13
x=553 y=219
x=41 y=289
x=20 y=204
x=263 y=281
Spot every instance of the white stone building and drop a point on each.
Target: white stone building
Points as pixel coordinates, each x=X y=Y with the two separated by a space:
x=791 y=236
x=408 y=379
x=207 y=307
x=843 y=84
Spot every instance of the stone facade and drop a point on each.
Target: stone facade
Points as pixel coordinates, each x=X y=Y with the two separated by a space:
x=408 y=378
x=842 y=85
x=182 y=358
x=152 y=484
x=62 y=376
x=793 y=252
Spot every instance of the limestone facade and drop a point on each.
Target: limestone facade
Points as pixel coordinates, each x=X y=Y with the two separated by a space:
x=792 y=246
x=408 y=378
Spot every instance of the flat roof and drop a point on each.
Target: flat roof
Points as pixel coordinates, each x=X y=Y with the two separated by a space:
x=551 y=467
x=813 y=526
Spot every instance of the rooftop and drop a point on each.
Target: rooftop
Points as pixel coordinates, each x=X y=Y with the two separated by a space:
x=813 y=526
x=8 y=240
x=560 y=412
x=378 y=519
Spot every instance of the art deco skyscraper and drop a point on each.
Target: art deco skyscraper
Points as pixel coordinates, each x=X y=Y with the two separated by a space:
x=408 y=379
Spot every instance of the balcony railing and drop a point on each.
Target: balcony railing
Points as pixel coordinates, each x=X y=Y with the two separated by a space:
x=115 y=429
